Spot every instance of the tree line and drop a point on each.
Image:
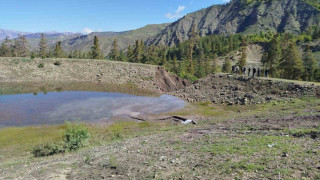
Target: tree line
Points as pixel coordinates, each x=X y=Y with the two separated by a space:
x=20 y=47
x=198 y=56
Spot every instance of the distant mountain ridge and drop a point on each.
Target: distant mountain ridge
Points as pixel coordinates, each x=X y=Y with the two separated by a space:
x=14 y=34
x=11 y=34
x=124 y=39
x=242 y=16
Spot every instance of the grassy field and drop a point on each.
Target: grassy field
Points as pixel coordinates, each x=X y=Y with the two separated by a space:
x=268 y=141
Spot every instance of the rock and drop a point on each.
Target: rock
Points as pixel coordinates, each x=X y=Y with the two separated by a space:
x=162 y=158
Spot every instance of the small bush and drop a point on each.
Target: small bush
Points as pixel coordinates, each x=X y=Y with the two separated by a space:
x=48 y=149
x=76 y=136
x=57 y=63
x=41 y=65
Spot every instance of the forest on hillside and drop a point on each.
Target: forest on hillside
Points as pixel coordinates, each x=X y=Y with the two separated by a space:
x=198 y=56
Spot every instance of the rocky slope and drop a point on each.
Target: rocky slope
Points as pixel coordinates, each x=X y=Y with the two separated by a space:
x=95 y=71
x=240 y=17
x=229 y=89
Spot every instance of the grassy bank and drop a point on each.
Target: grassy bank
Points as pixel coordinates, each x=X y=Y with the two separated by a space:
x=273 y=140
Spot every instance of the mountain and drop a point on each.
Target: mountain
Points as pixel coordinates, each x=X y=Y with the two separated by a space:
x=243 y=16
x=52 y=37
x=11 y=34
x=126 y=38
x=34 y=38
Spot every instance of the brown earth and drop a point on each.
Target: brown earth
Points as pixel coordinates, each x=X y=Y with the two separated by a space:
x=95 y=71
x=233 y=89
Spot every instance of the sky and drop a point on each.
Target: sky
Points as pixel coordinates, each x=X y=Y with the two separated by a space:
x=86 y=16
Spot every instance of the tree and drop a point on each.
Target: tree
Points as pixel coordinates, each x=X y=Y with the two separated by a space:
x=115 y=53
x=200 y=70
x=43 y=47
x=192 y=41
x=95 y=49
x=243 y=58
x=5 y=50
x=21 y=47
x=175 y=64
x=214 y=64
x=291 y=64
x=129 y=53
x=137 y=52
x=273 y=56
x=310 y=65
x=58 y=52
x=226 y=67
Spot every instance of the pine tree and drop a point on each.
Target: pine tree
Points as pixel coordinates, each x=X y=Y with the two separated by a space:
x=192 y=41
x=226 y=67
x=5 y=50
x=21 y=47
x=230 y=40
x=95 y=49
x=70 y=56
x=175 y=64
x=190 y=66
x=115 y=53
x=129 y=54
x=243 y=58
x=58 y=52
x=43 y=47
x=291 y=64
x=214 y=64
x=200 y=71
x=310 y=65
x=137 y=52
x=272 y=59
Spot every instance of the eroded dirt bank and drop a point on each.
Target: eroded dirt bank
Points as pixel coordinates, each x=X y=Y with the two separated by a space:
x=95 y=71
x=233 y=89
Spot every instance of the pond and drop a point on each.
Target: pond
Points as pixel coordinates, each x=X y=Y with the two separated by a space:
x=56 y=107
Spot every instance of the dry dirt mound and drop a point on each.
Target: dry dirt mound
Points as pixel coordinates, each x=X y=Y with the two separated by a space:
x=95 y=71
x=229 y=89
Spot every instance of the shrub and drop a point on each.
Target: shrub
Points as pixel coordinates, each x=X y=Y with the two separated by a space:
x=76 y=136
x=48 y=149
x=57 y=63
x=41 y=65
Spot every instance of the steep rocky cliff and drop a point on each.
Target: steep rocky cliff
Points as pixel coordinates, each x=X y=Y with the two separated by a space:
x=242 y=16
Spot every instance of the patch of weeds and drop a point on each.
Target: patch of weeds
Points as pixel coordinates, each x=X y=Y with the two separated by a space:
x=57 y=63
x=48 y=149
x=41 y=65
x=117 y=136
x=312 y=133
x=113 y=162
x=88 y=159
x=248 y=145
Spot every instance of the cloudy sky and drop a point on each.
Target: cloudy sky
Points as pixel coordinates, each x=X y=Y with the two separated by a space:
x=93 y=15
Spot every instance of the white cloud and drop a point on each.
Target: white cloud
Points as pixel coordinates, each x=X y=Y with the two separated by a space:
x=176 y=14
x=225 y=1
x=87 y=30
x=180 y=9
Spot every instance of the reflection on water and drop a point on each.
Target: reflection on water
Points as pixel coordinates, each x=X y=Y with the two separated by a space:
x=58 y=107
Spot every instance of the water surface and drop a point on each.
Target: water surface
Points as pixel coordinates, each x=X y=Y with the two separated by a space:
x=89 y=106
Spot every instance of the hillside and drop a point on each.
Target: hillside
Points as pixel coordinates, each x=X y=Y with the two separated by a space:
x=241 y=16
x=126 y=38
x=52 y=38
